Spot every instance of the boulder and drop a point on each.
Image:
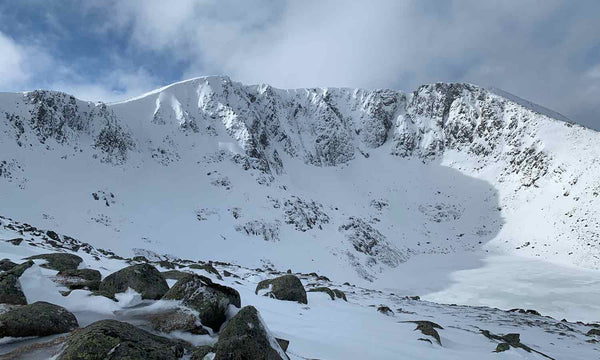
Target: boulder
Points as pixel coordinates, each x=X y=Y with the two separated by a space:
x=428 y=328
x=283 y=343
x=16 y=241
x=528 y=311
x=59 y=261
x=502 y=347
x=38 y=319
x=139 y=258
x=340 y=294
x=176 y=320
x=174 y=274
x=385 y=310
x=6 y=264
x=201 y=351
x=333 y=293
x=10 y=288
x=325 y=290
x=512 y=338
x=208 y=268
x=79 y=279
x=286 y=287
x=593 y=332
x=209 y=299
x=246 y=337
x=111 y=339
x=143 y=278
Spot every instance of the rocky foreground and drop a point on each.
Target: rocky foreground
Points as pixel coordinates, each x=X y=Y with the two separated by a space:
x=64 y=299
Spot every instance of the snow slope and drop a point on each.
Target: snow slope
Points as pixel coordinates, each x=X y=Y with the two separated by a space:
x=351 y=183
x=322 y=329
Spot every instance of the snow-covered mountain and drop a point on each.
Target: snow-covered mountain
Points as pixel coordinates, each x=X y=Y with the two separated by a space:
x=346 y=182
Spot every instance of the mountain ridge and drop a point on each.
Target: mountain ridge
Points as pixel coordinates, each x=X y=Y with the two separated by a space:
x=228 y=133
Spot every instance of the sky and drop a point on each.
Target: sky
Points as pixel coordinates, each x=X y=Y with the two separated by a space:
x=545 y=51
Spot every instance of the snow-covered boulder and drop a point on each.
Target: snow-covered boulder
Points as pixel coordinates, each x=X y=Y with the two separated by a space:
x=143 y=278
x=286 y=287
x=59 y=261
x=209 y=299
x=37 y=319
x=119 y=340
x=10 y=288
x=246 y=337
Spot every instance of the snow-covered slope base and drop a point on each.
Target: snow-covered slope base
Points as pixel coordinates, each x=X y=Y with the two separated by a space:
x=372 y=324
x=346 y=182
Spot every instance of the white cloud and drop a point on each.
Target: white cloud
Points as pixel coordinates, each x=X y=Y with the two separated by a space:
x=119 y=85
x=28 y=67
x=526 y=48
x=11 y=63
x=537 y=50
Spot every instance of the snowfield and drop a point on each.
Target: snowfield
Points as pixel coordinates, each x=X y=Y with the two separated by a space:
x=323 y=329
x=454 y=193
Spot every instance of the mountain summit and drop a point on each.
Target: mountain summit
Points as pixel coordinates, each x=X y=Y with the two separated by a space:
x=335 y=180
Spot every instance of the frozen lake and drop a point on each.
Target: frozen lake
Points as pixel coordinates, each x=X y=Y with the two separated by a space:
x=501 y=281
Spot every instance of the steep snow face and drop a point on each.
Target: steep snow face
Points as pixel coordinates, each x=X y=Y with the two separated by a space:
x=339 y=181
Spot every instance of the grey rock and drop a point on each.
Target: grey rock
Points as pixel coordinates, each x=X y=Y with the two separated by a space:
x=209 y=299
x=59 y=261
x=333 y=293
x=6 y=264
x=174 y=274
x=201 y=351
x=245 y=337
x=111 y=339
x=10 y=288
x=38 y=319
x=143 y=278
x=79 y=278
x=502 y=347
x=176 y=320
x=286 y=287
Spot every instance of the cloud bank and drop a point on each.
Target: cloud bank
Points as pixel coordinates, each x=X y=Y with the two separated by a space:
x=545 y=51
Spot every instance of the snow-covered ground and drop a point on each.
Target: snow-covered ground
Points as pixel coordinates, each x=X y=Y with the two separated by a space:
x=452 y=192
x=323 y=329
x=500 y=281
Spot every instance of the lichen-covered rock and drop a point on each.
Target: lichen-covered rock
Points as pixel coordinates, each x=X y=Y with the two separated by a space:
x=177 y=320
x=208 y=268
x=174 y=274
x=325 y=290
x=20 y=269
x=283 y=343
x=6 y=264
x=385 y=310
x=200 y=352
x=38 y=319
x=502 y=347
x=79 y=279
x=246 y=337
x=143 y=278
x=10 y=288
x=111 y=339
x=340 y=294
x=286 y=287
x=512 y=338
x=59 y=261
x=593 y=332
x=209 y=299
x=333 y=293
x=429 y=328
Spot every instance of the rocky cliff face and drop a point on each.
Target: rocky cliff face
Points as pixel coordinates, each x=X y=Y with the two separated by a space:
x=258 y=148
